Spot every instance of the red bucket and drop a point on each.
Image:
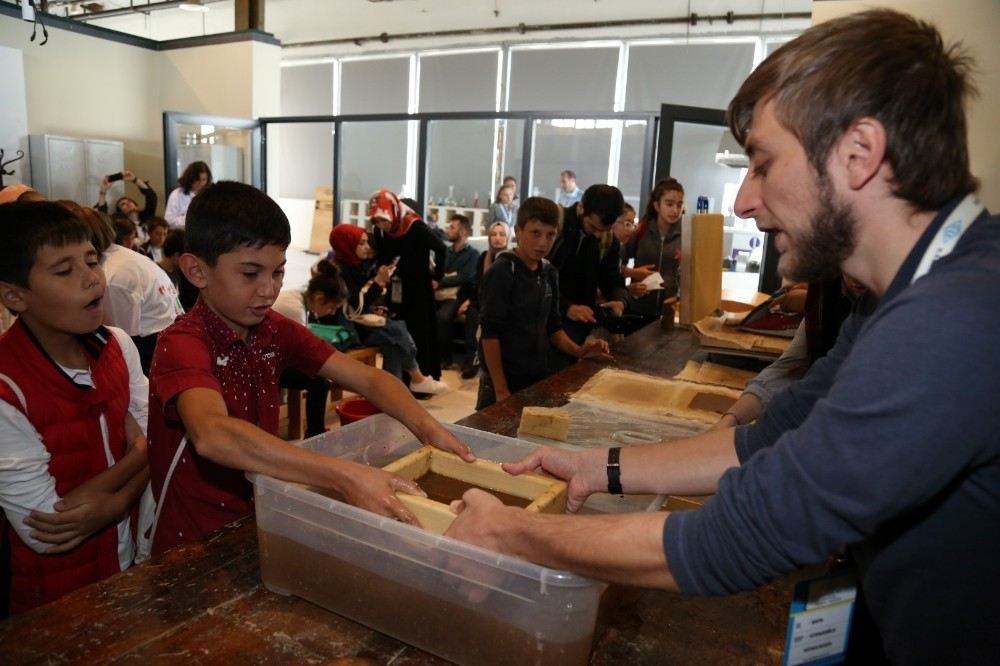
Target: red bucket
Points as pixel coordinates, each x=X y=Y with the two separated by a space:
x=355 y=409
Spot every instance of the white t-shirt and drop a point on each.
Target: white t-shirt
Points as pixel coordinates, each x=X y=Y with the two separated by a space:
x=292 y=304
x=140 y=298
x=25 y=482
x=177 y=206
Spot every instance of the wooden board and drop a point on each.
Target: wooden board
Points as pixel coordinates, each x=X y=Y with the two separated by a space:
x=547 y=495
x=701 y=266
x=319 y=239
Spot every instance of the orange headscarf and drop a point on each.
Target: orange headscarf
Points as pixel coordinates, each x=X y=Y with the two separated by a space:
x=384 y=204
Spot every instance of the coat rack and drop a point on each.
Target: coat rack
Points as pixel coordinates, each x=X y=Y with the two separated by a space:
x=3 y=164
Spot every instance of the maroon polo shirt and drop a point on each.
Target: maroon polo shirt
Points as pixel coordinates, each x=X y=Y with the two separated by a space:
x=200 y=351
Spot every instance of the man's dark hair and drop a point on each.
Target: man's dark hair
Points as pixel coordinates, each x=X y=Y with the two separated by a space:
x=173 y=244
x=538 y=209
x=568 y=173
x=605 y=201
x=26 y=227
x=191 y=173
x=879 y=64
x=229 y=215
x=463 y=222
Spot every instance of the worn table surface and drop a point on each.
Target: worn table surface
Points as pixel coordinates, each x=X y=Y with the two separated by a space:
x=204 y=602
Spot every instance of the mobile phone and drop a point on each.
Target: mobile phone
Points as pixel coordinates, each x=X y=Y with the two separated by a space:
x=114 y=176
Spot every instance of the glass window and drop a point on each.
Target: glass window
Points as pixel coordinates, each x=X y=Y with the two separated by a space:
x=307 y=90
x=633 y=147
x=459 y=82
x=305 y=158
x=375 y=86
x=373 y=156
x=225 y=150
x=705 y=75
x=579 y=145
x=581 y=79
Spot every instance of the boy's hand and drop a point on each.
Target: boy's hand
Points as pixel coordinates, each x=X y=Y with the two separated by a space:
x=584 y=472
x=375 y=490
x=76 y=519
x=580 y=313
x=501 y=394
x=596 y=349
x=440 y=437
x=464 y=307
x=637 y=289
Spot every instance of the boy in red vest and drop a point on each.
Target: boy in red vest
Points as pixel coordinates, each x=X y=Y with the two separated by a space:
x=214 y=381
x=71 y=470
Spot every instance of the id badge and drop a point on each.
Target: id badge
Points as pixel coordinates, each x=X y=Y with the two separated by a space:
x=819 y=620
x=396 y=291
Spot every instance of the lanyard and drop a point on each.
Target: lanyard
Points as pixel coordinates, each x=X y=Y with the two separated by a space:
x=951 y=231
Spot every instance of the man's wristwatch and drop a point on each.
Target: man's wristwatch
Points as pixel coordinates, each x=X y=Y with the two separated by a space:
x=614 y=471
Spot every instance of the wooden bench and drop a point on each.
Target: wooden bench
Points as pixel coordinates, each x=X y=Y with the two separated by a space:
x=296 y=423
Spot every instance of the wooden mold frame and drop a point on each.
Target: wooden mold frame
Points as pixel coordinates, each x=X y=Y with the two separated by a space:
x=547 y=495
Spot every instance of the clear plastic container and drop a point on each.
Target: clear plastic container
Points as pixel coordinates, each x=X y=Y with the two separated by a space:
x=463 y=603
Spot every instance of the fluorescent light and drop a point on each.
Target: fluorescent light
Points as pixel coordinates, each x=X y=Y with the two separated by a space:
x=193 y=6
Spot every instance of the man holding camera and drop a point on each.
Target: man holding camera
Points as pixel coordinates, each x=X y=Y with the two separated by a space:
x=128 y=206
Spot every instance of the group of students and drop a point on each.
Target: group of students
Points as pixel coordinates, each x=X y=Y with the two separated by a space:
x=84 y=432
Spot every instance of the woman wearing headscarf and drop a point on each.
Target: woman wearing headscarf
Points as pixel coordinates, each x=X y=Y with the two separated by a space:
x=366 y=288
x=400 y=236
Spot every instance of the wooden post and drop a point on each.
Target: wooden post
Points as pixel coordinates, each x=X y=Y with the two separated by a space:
x=248 y=15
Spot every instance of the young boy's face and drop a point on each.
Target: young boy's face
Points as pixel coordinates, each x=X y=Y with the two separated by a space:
x=534 y=240
x=243 y=284
x=65 y=289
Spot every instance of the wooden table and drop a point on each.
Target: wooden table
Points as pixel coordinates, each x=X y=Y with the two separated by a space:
x=204 y=602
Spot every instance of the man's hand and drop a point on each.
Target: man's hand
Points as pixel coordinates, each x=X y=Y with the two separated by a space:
x=617 y=308
x=581 y=313
x=637 y=289
x=105 y=185
x=374 y=490
x=596 y=349
x=476 y=519
x=464 y=307
x=128 y=175
x=584 y=472
x=75 y=520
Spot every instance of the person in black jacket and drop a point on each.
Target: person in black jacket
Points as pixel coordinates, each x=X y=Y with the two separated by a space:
x=127 y=206
x=584 y=267
x=401 y=237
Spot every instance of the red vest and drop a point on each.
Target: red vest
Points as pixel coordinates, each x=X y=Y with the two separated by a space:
x=67 y=417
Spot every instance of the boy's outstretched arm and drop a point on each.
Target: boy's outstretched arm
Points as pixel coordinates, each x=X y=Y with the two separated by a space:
x=493 y=358
x=238 y=444
x=389 y=395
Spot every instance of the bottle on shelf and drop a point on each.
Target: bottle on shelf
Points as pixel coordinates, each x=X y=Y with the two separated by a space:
x=450 y=201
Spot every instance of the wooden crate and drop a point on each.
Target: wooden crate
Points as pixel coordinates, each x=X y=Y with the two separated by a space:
x=547 y=495
x=319 y=240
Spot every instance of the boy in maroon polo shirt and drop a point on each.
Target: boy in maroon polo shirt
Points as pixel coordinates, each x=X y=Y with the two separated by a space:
x=214 y=381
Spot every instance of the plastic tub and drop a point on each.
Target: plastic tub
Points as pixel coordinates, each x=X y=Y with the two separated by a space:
x=352 y=410
x=463 y=603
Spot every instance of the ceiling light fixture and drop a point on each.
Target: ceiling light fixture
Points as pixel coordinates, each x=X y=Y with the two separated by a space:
x=193 y=6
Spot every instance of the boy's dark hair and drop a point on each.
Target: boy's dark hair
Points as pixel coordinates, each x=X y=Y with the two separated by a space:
x=880 y=64
x=174 y=243
x=123 y=226
x=26 y=227
x=229 y=215
x=156 y=221
x=605 y=201
x=328 y=282
x=463 y=222
x=102 y=232
x=538 y=209
x=191 y=174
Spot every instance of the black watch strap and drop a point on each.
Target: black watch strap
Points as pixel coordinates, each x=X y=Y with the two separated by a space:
x=614 y=471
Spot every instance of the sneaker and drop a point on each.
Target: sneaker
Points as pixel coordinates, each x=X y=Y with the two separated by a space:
x=430 y=386
x=470 y=371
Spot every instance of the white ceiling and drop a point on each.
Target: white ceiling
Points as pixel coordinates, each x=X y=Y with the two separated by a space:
x=297 y=21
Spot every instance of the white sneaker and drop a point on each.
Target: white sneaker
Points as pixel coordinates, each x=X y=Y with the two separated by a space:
x=430 y=386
